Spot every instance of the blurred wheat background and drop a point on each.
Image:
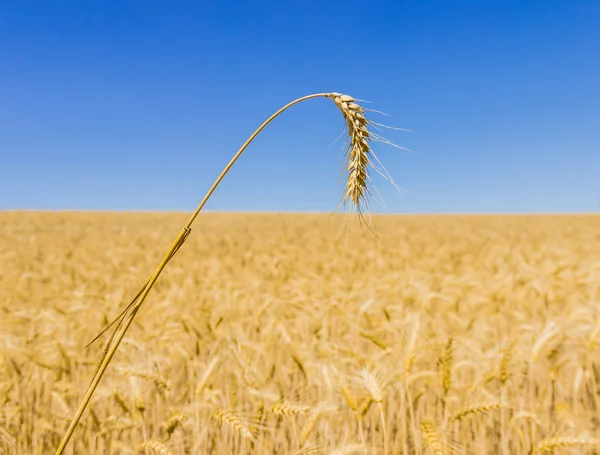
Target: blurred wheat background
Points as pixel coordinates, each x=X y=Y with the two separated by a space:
x=283 y=334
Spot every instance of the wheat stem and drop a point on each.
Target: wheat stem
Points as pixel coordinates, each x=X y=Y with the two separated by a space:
x=355 y=192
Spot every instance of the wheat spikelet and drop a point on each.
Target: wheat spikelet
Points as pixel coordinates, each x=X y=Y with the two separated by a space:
x=445 y=365
x=300 y=365
x=282 y=409
x=246 y=365
x=504 y=373
x=550 y=331
x=549 y=444
x=95 y=419
x=357 y=155
x=309 y=427
x=157 y=447
x=174 y=422
x=364 y=408
x=476 y=409
x=374 y=339
x=350 y=399
x=372 y=384
x=431 y=436
x=260 y=411
x=122 y=402
x=259 y=416
x=231 y=419
x=140 y=403
x=159 y=382
x=409 y=349
x=204 y=379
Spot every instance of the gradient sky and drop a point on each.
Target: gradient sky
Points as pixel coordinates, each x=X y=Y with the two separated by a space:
x=138 y=105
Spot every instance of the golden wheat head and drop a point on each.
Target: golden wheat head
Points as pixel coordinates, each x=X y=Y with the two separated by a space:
x=357 y=154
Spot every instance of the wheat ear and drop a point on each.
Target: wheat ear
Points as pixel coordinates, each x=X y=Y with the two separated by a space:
x=548 y=445
x=233 y=420
x=309 y=427
x=156 y=447
x=445 y=365
x=481 y=408
x=358 y=162
x=432 y=438
x=372 y=384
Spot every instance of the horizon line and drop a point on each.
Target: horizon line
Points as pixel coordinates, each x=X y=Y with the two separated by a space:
x=282 y=212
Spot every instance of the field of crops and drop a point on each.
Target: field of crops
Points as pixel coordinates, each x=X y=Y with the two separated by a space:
x=284 y=334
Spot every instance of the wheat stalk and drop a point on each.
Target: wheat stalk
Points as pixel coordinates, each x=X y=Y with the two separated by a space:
x=358 y=163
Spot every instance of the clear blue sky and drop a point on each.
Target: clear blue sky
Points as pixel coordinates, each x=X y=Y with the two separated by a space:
x=138 y=105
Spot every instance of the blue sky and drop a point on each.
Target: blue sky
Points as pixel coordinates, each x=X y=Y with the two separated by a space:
x=138 y=105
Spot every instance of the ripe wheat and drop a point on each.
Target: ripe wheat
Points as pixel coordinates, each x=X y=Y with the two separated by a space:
x=255 y=295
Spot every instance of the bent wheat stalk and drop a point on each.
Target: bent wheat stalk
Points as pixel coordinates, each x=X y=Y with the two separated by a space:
x=359 y=159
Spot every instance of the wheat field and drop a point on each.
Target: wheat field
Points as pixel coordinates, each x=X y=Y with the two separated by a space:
x=284 y=334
